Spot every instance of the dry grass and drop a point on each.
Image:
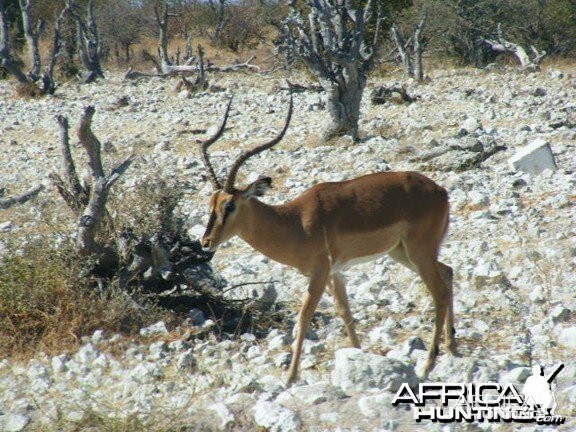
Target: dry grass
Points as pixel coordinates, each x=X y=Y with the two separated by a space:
x=46 y=305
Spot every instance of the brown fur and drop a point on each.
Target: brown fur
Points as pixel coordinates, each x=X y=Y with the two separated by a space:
x=330 y=224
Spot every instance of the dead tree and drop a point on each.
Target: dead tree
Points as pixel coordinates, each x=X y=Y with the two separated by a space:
x=166 y=66
x=157 y=259
x=162 y=23
x=6 y=59
x=27 y=82
x=418 y=46
x=410 y=51
x=402 y=48
x=499 y=44
x=20 y=199
x=88 y=42
x=188 y=48
x=88 y=202
x=48 y=84
x=221 y=17
x=32 y=37
x=162 y=260
x=201 y=83
x=334 y=44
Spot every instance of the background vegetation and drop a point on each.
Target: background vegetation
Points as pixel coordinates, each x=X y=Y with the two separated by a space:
x=453 y=30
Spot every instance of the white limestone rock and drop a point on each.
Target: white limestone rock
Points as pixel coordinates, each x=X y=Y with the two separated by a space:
x=534 y=158
x=356 y=371
x=275 y=418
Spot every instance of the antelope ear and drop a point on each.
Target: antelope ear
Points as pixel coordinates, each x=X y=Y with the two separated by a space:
x=258 y=188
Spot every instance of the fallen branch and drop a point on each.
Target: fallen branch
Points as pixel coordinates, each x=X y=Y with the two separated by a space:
x=131 y=74
x=299 y=88
x=471 y=159
x=235 y=67
x=20 y=199
x=171 y=71
x=384 y=94
x=499 y=44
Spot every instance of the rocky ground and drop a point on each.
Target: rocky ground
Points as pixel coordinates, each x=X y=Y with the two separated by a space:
x=512 y=244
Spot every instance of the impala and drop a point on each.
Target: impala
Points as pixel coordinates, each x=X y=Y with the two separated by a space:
x=334 y=225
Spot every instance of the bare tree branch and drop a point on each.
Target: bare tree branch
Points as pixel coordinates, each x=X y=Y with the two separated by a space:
x=500 y=44
x=48 y=85
x=96 y=207
x=88 y=41
x=20 y=199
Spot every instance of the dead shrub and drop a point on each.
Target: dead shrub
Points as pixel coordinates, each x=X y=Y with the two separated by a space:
x=29 y=90
x=45 y=304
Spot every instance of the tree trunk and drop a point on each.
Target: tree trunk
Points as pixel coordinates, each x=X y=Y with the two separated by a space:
x=162 y=23
x=5 y=57
x=344 y=105
x=127 y=52
x=88 y=42
x=402 y=50
x=418 y=67
x=32 y=37
x=48 y=85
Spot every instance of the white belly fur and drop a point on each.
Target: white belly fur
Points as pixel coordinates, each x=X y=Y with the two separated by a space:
x=339 y=267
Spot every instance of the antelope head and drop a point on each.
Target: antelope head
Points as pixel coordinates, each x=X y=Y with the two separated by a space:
x=228 y=204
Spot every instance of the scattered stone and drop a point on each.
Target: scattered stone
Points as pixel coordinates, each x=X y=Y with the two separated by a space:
x=195 y=317
x=540 y=92
x=223 y=414
x=414 y=343
x=147 y=372
x=158 y=328
x=567 y=337
x=158 y=350
x=14 y=422
x=374 y=406
x=271 y=384
x=98 y=336
x=87 y=354
x=357 y=371
x=186 y=362
x=559 y=314
x=275 y=418
x=470 y=125
x=534 y=158
x=516 y=376
x=6 y=226
x=312 y=394
x=277 y=342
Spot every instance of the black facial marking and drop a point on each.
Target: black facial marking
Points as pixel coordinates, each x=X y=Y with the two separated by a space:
x=211 y=223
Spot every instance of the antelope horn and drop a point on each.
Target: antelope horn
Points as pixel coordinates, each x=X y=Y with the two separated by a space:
x=230 y=180
x=205 y=144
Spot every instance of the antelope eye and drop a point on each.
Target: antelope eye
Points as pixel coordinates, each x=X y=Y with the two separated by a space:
x=229 y=207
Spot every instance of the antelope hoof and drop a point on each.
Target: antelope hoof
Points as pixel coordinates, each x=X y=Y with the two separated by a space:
x=452 y=348
x=291 y=379
x=430 y=362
